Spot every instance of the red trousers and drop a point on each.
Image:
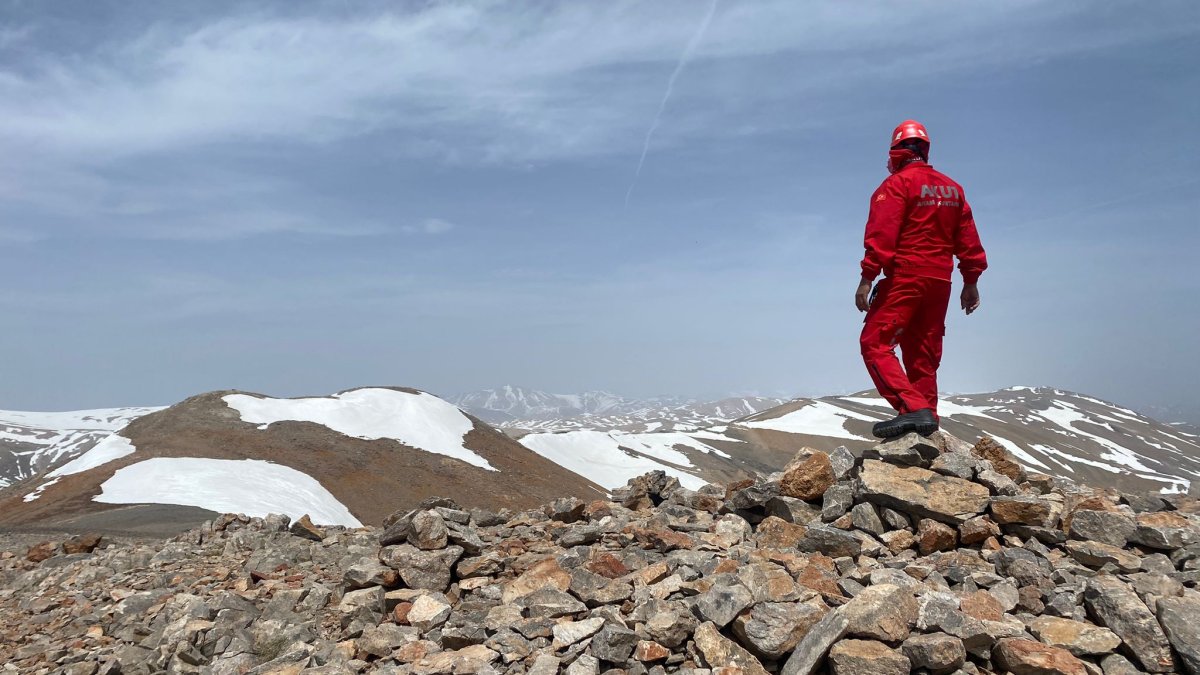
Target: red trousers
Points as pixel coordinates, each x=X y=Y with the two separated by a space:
x=909 y=312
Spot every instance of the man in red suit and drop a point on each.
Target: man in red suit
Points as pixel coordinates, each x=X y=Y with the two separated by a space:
x=919 y=223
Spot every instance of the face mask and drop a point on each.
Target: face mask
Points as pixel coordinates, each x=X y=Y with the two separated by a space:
x=899 y=157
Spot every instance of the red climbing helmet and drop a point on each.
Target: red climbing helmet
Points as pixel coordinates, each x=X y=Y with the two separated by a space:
x=909 y=129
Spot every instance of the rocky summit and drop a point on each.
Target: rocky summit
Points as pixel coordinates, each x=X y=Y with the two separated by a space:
x=928 y=555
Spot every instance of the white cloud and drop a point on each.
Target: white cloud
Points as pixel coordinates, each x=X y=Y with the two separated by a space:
x=86 y=128
x=493 y=81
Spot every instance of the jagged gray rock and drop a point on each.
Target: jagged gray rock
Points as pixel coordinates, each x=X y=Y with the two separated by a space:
x=721 y=652
x=1180 y=619
x=660 y=579
x=1106 y=527
x=837 y=502
x=772 y=629
x=935 y=652
x=793 y=510
x=724 y=601
x=921 y=492
x=1115 y=606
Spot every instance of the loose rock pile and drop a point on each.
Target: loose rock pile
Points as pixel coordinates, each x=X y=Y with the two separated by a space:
x=924 y=555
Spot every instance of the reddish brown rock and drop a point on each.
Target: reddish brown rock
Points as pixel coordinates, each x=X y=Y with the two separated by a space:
x=305 y=528
x=1021 y=511
x=778 y=533
x=867 y=657
x=726 y=565
x=1029 y=598
x=661 y=539
x=977 y=530
x=84 y=543
x=651 y=574
x=1027 y=657
x=41 y=551
x=1000 y=458
x=414 y=651
x=597 y=509
x=648 y=650
x=898 y=540
x=546 y=574
x=933 y=536
x=400 y=613
x=819 y=574
x=607 y=565
x=807 y=476
x=735 y=486
x=982 y=605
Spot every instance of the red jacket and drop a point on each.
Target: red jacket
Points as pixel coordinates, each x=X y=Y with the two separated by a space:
x=919 y=221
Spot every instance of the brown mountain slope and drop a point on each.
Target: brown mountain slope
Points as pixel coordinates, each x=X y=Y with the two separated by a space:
x=372 y=478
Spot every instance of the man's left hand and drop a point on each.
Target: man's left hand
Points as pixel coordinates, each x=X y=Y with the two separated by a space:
x=969 y=298
x=863 y=295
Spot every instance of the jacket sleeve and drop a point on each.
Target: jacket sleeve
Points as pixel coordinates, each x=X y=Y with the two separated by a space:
x=888 y=209
x=972 y=260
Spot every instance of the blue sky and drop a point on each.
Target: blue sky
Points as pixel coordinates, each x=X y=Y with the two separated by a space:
x=296 y=198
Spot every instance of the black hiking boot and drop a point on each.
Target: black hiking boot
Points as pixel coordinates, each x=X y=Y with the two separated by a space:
x=921 y=421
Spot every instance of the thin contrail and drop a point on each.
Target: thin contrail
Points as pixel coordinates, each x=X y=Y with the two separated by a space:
x=683 y=61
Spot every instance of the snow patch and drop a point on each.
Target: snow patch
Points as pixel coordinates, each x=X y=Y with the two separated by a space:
x=420 y=420
x=818 y=418
x=38 y=492
x=707 y=434
x=597 y=456
x=947 y=408
x=1019 y=452
x=108 y=449
x=102 y=419
x=111 y=448
x=1125 y=412
x=870 y=402
x=1065 y=415
x=250 y=486
x=662 y=445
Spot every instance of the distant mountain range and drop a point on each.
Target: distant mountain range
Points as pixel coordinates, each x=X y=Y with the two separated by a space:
x=1048 y=430
x=531 y=410
x=357 y=456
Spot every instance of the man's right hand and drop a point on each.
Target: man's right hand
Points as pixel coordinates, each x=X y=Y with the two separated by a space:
x=970 y=298
x=862 y=295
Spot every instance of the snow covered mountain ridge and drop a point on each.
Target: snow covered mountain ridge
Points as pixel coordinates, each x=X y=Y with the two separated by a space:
x=531 y=410
x=31 y=442
x=508 y=402
x=1056 y=432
